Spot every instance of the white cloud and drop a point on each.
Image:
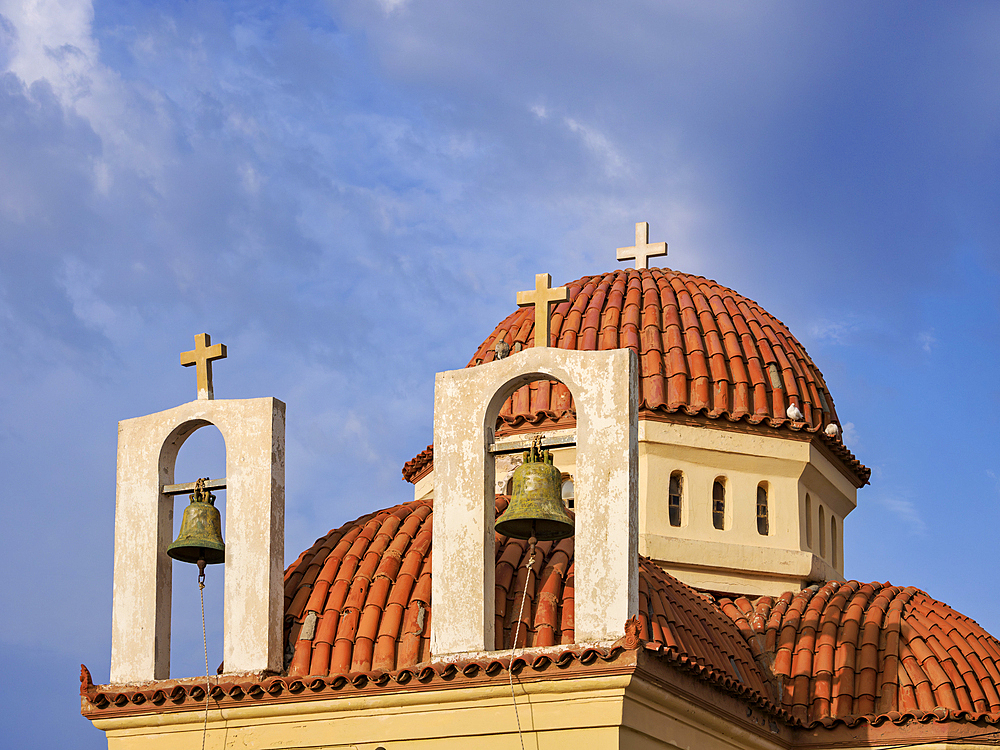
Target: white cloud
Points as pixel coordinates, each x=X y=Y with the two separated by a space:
x=119 y=323
x=54 y=42
x=391 y=6
x=927 y=340
x=834 y=331
x=601 y=146
x=905 y=511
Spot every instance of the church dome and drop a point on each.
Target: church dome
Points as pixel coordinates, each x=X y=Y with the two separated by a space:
x=703 y=349
x=705 y=352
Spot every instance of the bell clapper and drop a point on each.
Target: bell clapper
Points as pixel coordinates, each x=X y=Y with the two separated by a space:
x=201 y=570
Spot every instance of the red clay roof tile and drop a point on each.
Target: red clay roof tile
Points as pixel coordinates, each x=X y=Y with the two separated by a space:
x=841 y=653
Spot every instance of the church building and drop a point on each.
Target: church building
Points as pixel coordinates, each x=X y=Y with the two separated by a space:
x=679 y=585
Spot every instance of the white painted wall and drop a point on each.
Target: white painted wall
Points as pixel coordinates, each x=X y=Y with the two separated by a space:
x=254 y=432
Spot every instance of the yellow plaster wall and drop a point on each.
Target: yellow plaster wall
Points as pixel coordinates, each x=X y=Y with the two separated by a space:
x=605 y=713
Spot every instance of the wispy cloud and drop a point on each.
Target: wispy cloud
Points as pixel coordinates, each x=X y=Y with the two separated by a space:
x=601 y=146
x=391 y=6
x=927 y=340
x=905 y=511
x=836 y=331
x=995 y=479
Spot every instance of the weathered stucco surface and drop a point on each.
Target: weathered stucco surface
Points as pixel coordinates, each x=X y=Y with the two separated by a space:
x=466 y=403
x=254 y=433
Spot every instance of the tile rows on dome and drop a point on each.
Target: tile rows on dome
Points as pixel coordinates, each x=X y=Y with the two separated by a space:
x=702 y=347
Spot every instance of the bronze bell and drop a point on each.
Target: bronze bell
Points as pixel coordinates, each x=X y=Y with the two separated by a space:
x=536 y=508
x=200 y=535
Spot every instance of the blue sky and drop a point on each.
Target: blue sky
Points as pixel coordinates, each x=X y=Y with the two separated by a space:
x=349 y=194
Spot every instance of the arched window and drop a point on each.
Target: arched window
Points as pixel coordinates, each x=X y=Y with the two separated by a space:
x=833 y=540
x=762 y=519
x=674 y=498
x=822 y=531
x=809 y=522
x=568 y=491
x=719 y=504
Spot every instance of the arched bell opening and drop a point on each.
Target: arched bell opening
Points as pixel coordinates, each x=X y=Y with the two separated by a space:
x=148 y=446
x=568 y=490
x=537 y=478
x=510 y=447
x=196 y=450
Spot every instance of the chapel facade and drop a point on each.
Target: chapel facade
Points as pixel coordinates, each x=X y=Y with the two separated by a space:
x=700 y=603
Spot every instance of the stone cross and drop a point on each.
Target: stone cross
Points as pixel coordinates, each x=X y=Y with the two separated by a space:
x=642 y=251
x=202 y=356
x=543 y=296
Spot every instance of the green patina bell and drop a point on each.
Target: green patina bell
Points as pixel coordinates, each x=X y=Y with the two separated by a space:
x=200 y=535
x=536 y=508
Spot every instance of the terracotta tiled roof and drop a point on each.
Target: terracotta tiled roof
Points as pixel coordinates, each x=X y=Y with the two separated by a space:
x=859 y=651
x=358 y=616
x=419 y=465
x=363 y=594
x=704 y=351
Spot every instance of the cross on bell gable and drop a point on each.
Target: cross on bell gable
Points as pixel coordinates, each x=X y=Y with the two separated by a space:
x=642 y=251
x=202 y=356
x=541 y=298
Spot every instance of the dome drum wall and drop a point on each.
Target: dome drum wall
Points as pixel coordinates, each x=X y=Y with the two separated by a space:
x=713 y=465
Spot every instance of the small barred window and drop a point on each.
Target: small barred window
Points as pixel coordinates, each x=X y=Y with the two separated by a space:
x=719 y=504
x=762 y=519
x=674 y=498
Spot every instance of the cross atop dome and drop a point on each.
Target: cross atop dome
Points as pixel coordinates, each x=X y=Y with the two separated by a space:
x=642 y=251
